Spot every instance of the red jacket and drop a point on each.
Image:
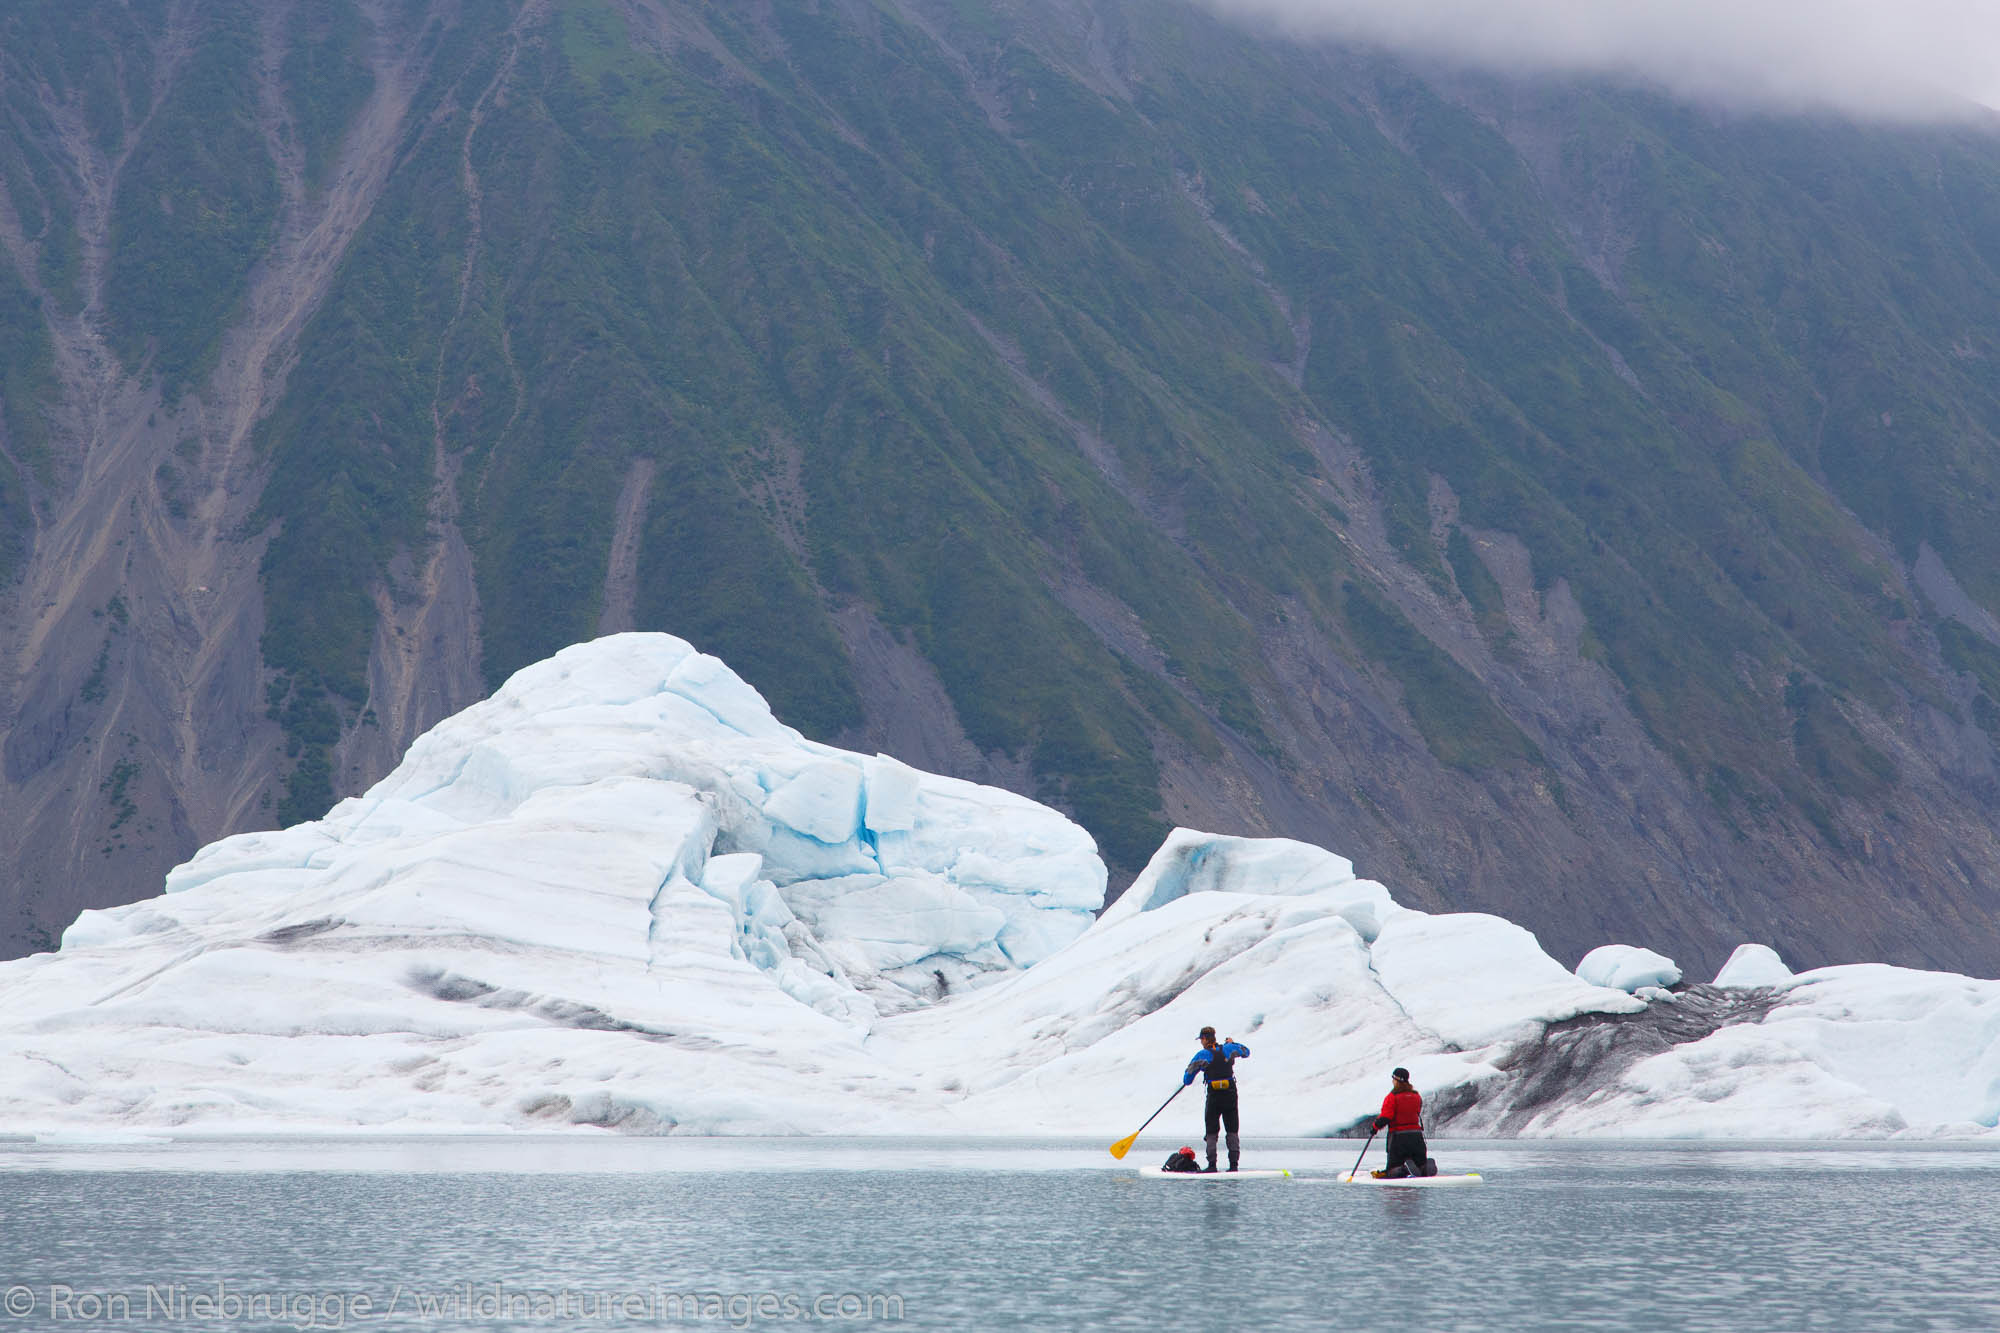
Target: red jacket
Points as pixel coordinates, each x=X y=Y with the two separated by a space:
x=1403 y=1111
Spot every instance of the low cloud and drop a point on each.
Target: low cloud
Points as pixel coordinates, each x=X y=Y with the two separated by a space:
x=1888 y=59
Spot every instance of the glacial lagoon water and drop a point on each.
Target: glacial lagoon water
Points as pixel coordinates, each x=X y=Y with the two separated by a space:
x=552 y=1234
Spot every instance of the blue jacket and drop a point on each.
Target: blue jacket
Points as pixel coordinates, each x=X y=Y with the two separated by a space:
x=1203 y=1058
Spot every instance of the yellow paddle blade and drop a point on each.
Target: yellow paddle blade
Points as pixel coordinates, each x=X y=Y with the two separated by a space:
x=1124 y=1145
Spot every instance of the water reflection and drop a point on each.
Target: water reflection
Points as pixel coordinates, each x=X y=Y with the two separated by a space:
x=1042 y=1234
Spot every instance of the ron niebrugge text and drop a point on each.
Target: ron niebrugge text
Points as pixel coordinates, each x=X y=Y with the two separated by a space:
x=224 y=1301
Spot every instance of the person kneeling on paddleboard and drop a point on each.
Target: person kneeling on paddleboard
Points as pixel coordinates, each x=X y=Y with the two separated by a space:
x=1403 y=1116
x=1181 y=1161
x=1216 y=1063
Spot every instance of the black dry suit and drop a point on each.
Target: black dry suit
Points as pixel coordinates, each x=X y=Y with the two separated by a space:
x=1218 y=1066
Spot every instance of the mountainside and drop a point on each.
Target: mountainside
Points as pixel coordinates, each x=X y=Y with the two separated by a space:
x=1572 y=504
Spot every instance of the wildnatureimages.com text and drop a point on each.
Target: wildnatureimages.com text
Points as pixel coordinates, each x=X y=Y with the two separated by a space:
x=179 y=1302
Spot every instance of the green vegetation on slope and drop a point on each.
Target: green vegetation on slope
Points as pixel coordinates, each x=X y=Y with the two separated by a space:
x=351 y=445
x=1481 y=589
x=326 y=79
x=102 y=68
x=27 y=383
x=1451 y=710
x=1006 y=352
x=27 y=371
x=720 y=575
x=1966 y=652
x=1829 y=748
x=1622 y=434
x=195 y=208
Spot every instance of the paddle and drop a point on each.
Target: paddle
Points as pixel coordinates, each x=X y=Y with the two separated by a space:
x=1124 y=1145
x=1364 y=1152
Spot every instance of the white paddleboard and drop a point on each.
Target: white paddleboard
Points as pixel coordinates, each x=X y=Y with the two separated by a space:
x=1165 y=1174
x=1363 y=1178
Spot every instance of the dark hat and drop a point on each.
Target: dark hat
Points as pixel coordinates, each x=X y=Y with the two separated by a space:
x=1401 y=1073
x=1206 y=1032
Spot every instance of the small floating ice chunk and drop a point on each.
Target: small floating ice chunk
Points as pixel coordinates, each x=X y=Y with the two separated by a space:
x=1754 y=965
x=1627 y=968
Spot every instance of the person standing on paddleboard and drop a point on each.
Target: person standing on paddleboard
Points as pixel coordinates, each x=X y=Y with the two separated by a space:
x=1403 y=1116
x=1217 y=1064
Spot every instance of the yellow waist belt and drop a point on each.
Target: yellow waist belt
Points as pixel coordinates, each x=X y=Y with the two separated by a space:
x=1218 y=1085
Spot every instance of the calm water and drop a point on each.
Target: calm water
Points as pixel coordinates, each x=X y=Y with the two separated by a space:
x=548 y=1234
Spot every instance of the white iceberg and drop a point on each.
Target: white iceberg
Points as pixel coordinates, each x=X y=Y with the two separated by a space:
x=619 y=870
x=1858 y=1051
x=621 y=894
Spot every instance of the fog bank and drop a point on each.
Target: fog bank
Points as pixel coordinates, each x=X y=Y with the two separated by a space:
x=1877 y=59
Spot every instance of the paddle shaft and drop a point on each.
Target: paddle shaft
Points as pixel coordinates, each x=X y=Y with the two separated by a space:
x=1364 y=1152
x=1156 y=1115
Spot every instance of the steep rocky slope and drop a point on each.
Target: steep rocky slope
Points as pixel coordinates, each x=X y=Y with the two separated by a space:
x=1576 y=505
